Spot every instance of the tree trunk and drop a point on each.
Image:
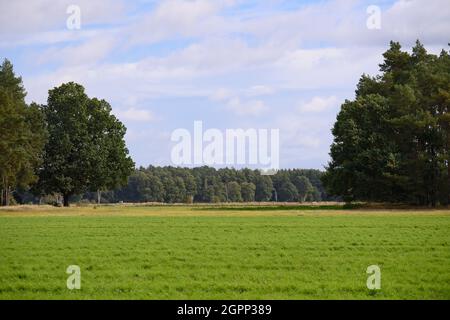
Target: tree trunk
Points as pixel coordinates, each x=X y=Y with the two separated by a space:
x=5 y=193
x=99 y=196
x=7 y=196
x=448 y=178
x=66 y=200
x=2 y=197
x=226 y=192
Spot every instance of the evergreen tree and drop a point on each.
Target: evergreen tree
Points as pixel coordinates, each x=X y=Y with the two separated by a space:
x=22 y=135
x=391 y=142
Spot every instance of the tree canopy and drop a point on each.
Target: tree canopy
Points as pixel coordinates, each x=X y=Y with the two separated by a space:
x=392 y=142
x=206 y=184
x=22 y=134
x=86 y=149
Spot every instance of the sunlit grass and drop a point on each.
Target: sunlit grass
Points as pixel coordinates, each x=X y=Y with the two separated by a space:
x=176 y=252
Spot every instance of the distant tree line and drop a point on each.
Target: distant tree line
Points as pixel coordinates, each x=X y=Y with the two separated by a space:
x=209 y=185
x=204 y=185
x=392 y=143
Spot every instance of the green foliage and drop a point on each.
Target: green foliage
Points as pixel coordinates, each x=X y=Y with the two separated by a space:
x=144 y=186
x=264 y=187
x=22 y=135
x=111 y=165
x=287 y=192
x=304 y=187
x=85 y=150
x=392 y=143
x=205 y=184
x=234 y=191
x=248 y=190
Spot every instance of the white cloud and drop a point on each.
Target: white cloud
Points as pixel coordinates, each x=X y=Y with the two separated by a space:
x=135 y=114
x=221 y=94
x=246 y=108
x=259 y=90
x=319 y=104
x=21 y=17
x=237 y=59
x=236 y=105
x=202 y=66
x=173 y=18
x=89 y=52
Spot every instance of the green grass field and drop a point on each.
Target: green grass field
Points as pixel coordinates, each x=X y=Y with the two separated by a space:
x=176 y=252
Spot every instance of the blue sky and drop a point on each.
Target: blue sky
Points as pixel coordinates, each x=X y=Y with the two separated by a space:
x=230 y=63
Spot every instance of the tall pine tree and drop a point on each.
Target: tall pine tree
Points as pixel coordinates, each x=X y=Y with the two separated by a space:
x=22 y=134
x=392 y=142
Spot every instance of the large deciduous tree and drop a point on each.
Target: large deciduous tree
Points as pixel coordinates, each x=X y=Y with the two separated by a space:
x=392 y=142
x=86 y=149
x=112 y=165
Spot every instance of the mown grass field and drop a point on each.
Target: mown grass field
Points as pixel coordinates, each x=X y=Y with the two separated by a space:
x=176 y=252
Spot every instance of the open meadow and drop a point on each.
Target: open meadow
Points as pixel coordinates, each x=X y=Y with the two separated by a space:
x=232 y=252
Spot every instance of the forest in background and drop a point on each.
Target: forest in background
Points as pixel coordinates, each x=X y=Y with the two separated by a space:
x=203 y=185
